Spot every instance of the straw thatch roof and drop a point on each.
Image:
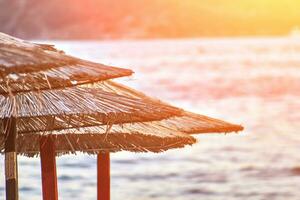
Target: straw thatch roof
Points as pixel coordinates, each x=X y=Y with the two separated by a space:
x=147 y=135
x=76 y=107
x=152 y=136
x=58 y=77
x=55 y=95
x=136 y=137
x=184 y=121
x=26 y=66
x=39 y=87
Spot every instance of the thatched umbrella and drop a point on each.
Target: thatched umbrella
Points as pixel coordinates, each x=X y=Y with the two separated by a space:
x=37 y=97
x=48 y=106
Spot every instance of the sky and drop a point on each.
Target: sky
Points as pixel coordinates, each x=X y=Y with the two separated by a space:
x=101 y=19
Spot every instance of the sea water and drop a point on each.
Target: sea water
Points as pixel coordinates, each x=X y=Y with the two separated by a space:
x=250 y=81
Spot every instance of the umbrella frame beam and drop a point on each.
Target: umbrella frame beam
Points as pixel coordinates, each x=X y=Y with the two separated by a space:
x=48 y=168
x=103 y=176
x=11 y=162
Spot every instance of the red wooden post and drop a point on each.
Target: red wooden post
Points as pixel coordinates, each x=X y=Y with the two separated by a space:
x=48 y=165
x=103 y=176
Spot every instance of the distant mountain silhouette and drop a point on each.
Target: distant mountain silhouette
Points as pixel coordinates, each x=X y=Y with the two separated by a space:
x=98 y=19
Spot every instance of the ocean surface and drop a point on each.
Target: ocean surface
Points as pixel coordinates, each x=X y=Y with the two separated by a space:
x=250 y=81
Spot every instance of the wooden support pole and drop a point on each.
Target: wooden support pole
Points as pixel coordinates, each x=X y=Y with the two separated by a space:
x=103 y=176
x=11 y=162
x=48 y=165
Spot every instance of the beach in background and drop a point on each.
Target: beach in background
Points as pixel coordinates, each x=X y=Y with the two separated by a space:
x=250 y=81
